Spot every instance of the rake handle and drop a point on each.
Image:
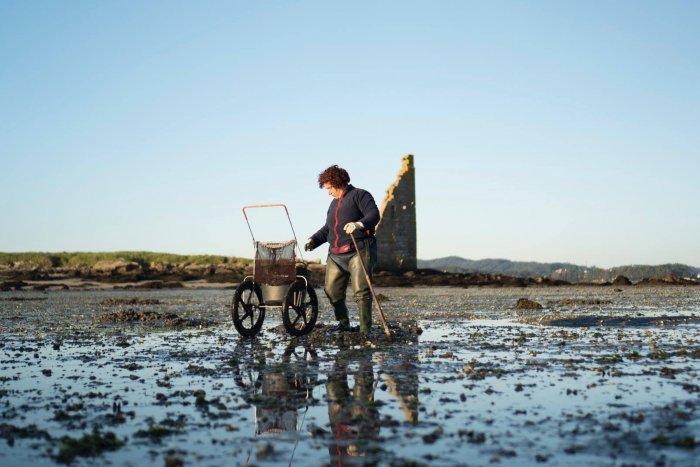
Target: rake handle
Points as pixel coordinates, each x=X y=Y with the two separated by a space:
x=371 y=289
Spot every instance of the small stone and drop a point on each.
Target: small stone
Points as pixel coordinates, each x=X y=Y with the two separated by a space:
x=527 y=304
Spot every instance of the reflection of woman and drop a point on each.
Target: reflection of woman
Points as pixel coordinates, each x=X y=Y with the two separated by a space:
x=353 y=417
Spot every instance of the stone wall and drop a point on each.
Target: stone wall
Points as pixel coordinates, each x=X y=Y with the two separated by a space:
x=396 y=232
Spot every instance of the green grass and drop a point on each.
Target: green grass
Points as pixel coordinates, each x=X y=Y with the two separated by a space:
x=83 y=259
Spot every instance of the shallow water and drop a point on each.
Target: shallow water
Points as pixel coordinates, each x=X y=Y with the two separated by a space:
x=478 y=387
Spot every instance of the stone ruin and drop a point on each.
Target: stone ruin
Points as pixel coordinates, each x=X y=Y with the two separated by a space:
x=396 y=232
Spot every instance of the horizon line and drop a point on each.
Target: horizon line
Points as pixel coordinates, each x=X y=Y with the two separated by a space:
x=418 y=259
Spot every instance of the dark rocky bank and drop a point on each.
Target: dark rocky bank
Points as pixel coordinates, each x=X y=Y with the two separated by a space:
x=124 y=274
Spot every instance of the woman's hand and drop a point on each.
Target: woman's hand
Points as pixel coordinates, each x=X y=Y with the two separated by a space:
x=350 y=227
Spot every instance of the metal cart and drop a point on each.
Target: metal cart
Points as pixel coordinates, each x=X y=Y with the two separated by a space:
x=278 y=282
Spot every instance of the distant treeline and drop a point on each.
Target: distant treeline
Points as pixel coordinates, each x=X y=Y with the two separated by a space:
x=564 y=271
x=87 y=259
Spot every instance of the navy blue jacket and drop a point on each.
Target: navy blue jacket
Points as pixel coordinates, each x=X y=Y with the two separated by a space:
x=356 y=205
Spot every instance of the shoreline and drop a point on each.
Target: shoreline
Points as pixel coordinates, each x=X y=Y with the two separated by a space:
x=121 y=274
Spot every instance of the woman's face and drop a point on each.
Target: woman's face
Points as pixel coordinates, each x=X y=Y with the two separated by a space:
x=334 y=192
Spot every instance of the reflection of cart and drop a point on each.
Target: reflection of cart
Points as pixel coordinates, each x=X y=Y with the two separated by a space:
x=277 y=386
x=277 y=282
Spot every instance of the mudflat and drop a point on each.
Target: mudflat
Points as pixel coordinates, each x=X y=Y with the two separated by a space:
x=598 y=375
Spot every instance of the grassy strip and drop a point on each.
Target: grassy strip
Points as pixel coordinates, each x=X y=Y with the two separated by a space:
x=87 y=259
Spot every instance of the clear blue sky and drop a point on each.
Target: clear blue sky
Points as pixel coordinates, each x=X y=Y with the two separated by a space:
x=543 y=131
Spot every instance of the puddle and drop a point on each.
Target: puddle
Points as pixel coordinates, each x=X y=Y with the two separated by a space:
x=477 y=387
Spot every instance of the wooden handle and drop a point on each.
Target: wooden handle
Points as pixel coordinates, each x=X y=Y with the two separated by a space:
x=371 y=289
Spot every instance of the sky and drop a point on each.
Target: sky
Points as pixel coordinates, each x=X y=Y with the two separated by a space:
x=542 y=131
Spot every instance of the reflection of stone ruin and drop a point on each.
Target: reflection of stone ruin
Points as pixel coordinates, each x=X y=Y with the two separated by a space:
x=396 y=232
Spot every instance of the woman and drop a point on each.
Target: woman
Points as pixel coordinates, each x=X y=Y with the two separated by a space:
x=352 y=212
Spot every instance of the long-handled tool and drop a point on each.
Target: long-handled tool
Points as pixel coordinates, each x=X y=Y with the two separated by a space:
x=371 y=289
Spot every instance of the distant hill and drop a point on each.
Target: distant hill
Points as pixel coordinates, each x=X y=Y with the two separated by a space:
x=564 y=271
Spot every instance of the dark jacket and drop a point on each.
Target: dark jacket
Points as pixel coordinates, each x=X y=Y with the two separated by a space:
x=356 y=205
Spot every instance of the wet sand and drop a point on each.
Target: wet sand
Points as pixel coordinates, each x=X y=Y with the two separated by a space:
x=598 y=375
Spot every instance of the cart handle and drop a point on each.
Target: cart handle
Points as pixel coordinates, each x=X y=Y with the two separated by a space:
x=281 y=205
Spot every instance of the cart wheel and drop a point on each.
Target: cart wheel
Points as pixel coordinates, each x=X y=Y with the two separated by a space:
x=300 y=309
x=248 y=310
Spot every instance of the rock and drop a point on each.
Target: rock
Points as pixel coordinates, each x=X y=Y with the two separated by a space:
x=161 y=268
x=198 y=270
x=430 y=438
x=527 y=304
x=39 y=275
x=222 y=269
x=621 y=280
x=174 y=461
x=160 y=285
x=116 y=266
x=132 y=315
x=9 y=285
x=170 y=320
x=668 y=279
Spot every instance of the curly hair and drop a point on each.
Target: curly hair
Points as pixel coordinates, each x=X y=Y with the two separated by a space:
x=336 y=176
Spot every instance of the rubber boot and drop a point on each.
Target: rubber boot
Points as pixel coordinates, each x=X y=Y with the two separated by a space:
x=365 y=307
x=341 y=314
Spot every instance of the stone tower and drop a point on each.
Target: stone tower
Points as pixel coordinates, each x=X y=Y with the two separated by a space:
x=396 y=232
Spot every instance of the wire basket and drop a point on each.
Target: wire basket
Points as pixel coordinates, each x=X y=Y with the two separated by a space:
x=275 y=263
